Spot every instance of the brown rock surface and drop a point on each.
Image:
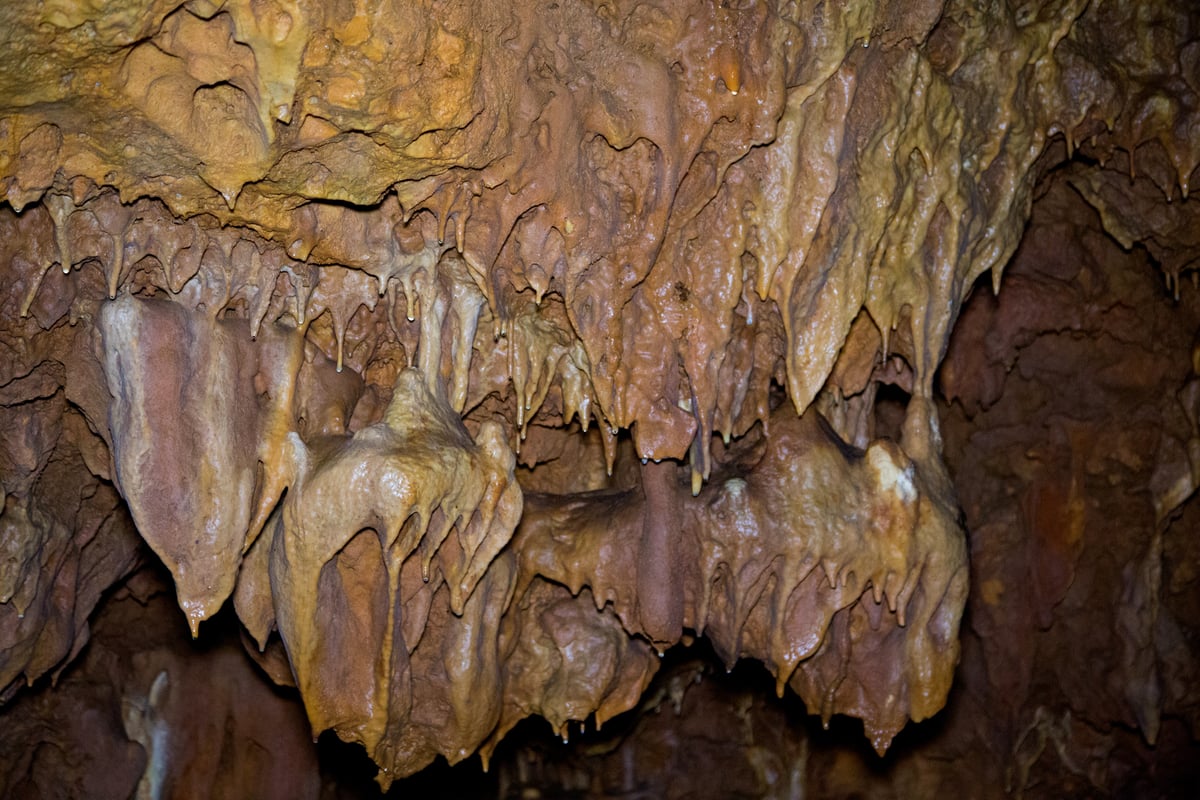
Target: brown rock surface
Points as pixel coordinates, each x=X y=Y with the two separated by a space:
x=148 y=713
x=364 y=316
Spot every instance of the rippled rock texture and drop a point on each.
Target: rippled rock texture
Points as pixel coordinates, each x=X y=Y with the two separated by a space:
x=478 y=353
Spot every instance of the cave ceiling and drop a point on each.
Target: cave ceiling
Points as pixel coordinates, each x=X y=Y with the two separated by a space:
x=478 y=353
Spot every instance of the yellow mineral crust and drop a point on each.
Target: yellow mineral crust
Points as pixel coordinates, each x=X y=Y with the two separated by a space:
x=310 y=273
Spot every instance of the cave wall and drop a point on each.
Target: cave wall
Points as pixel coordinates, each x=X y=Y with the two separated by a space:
x=478 y=354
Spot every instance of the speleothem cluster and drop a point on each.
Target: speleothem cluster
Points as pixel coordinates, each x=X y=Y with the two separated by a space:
x=478 y=351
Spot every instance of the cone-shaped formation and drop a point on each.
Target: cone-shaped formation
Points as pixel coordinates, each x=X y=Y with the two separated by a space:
x=374 y=526
x=300 y=284
x=820 y=561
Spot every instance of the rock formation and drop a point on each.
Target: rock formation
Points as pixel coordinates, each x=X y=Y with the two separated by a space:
x=478 y=354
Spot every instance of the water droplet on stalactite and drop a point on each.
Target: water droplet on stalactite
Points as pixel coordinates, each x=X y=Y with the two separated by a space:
x=61 y=207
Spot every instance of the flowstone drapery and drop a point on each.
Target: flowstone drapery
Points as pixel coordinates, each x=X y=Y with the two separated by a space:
x=478 y=351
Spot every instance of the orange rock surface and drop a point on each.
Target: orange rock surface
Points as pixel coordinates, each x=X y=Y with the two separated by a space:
x=476 y=351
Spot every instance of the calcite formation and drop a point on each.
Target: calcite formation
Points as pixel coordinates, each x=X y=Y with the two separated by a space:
x=478 y=353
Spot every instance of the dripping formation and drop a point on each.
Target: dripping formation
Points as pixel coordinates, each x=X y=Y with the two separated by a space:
x=477 y=357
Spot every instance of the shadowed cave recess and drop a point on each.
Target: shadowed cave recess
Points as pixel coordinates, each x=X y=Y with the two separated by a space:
x=599 y=399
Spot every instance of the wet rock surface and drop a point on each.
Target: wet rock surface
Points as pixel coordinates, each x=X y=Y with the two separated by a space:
x=477 y=354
